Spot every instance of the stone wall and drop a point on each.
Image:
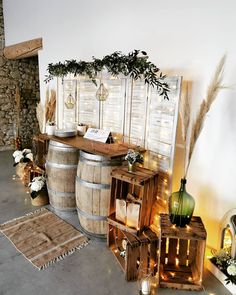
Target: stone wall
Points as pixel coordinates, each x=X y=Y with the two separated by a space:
x=24 y=74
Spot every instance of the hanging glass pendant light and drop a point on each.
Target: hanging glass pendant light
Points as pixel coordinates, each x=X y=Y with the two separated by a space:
x=70 y=102
x=102 y=93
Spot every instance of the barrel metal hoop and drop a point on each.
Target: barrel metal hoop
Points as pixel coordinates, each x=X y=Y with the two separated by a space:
x=91 y=216
x=62 y=145
x=92 y=184
x=60 y=166
x=93 y=157
x=61 y=194
x=62 y=149
x=100 y=164
x=63 y=209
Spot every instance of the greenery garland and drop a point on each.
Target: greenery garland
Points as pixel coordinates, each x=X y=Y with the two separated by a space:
x=135 y=65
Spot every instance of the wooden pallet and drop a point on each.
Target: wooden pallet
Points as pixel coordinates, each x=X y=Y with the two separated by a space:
x=182 y=254
x=140 y=251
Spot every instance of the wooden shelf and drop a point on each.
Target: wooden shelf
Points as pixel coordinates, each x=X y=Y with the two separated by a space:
x=141 y=186
x=112 y=220
x=94 y=147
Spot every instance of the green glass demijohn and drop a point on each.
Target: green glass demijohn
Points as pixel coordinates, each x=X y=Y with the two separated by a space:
x=181 y=206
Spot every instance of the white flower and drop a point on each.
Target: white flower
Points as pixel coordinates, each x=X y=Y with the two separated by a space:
x=17 y=153
x=18 y=158
x=26 y=151
x=30 y=156
x=37 y=183
x=231 y=269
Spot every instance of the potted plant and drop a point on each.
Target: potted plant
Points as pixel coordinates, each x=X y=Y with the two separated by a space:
x=81 y=128
x=50 y=128
x=21 y=159
x=38 y=191
x=224 y=268
x=133 y=157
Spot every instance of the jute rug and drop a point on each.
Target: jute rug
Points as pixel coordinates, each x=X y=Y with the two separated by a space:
x=43 y=238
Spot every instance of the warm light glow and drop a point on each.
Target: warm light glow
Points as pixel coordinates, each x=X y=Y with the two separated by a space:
x=167 y=192
x=176 y=261
x=188 y=227
x=115 y=250
x=190 y=279
x=166 y=260
x=227 y=241
x=172 y=274
x=138 y=262
x=173 y=226
x=209 y=256
x=110 y=229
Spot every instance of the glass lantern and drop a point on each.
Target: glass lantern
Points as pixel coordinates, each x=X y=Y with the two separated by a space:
x=69 y=104
x=147 y=282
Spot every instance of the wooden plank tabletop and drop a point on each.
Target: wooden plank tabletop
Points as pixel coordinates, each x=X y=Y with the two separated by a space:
x=94 y=147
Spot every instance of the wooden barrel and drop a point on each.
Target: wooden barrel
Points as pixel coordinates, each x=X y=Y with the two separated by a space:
x=61 y=166
x=93 y=183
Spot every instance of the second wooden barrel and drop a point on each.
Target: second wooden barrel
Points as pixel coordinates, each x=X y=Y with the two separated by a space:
x=93 y=183
x=61 y=166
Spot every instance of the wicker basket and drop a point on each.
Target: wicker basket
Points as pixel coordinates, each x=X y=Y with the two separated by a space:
x=41 y=199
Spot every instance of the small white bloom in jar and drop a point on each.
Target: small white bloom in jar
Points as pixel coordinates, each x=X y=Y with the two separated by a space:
x=30 y=156
x=17 y=153
x=18 y=158
x=26 y=151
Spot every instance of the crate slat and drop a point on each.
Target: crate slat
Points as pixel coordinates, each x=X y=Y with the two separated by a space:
x=183 y=247
x=172 y=251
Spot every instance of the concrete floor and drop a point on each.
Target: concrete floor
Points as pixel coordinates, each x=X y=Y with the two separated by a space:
x=92 y=270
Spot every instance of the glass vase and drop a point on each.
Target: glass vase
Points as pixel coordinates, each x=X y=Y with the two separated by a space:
x=181 y=206
x=131 y=167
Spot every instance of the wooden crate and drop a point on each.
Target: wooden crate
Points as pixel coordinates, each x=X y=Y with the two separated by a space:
x=140 y=251
x=182 y=254
x=40 y=144
x=142 y=184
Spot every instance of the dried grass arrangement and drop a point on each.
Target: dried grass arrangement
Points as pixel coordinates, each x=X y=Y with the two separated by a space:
x=50 y=106
x=40 y=116
x=213 y=90
x=46 y=113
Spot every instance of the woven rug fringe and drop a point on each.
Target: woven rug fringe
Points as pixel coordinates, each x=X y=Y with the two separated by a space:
x=61 y=257
x=27 y=214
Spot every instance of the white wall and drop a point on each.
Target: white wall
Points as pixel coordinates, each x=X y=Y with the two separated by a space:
x=182 y=37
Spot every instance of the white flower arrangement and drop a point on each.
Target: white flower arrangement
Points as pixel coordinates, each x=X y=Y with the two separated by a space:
x=22 y=156
x=36 y=185
x=134 y=156
x=226 y=264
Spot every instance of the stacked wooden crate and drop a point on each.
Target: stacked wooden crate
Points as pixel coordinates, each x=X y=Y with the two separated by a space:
x=134 y=248
x=182 y=254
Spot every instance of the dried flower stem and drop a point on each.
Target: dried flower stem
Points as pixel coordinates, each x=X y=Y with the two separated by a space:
x=185 y=119
x=213 y=90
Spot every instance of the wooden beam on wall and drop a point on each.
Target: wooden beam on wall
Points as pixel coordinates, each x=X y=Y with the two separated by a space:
x=24 y=49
